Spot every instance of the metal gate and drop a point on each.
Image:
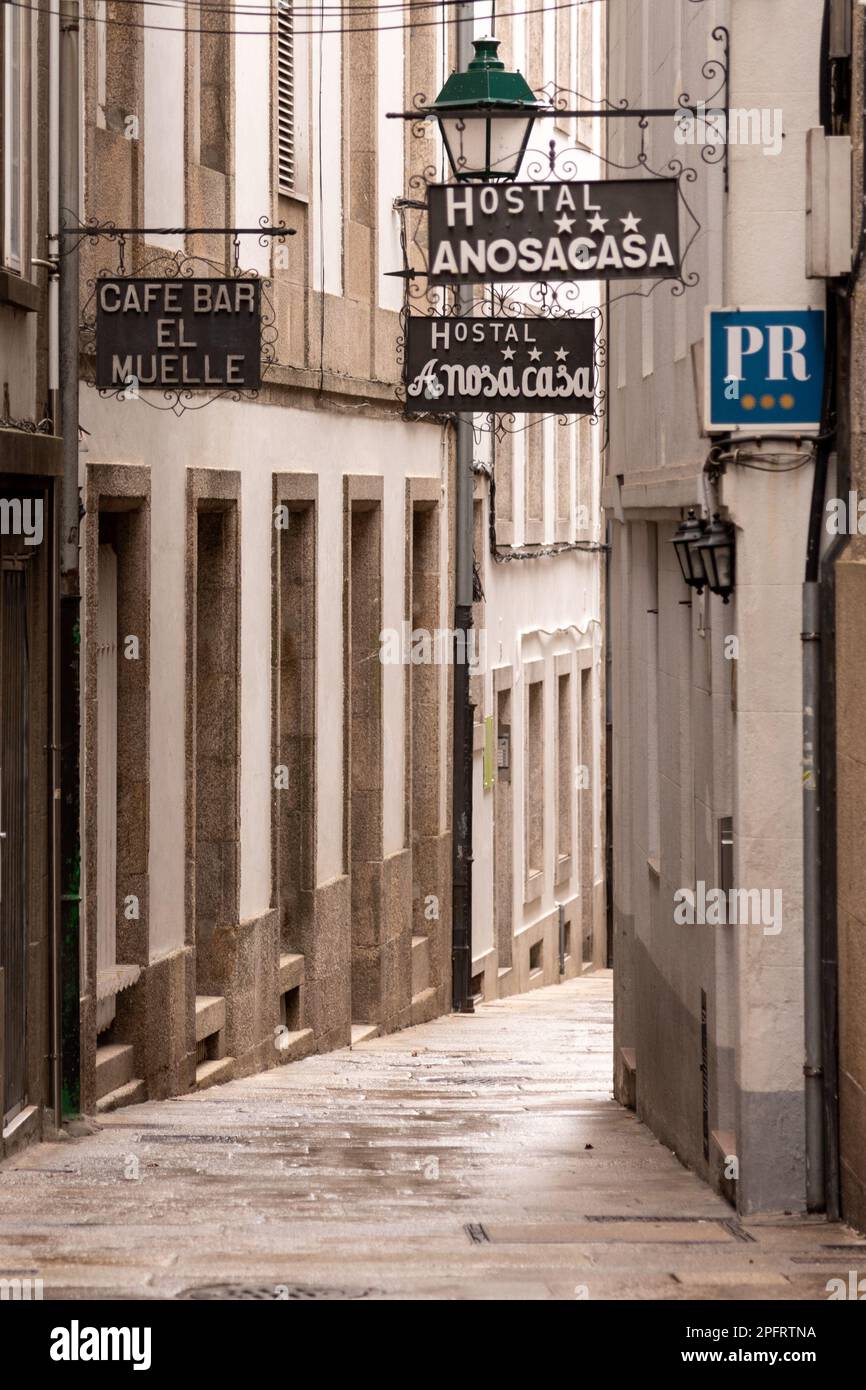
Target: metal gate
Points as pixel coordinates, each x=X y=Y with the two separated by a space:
x=14 y=702
x=106 y=789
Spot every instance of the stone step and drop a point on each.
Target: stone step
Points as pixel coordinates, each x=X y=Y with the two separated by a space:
x=113 y=1067
x=210 y=1015
x=291 y=971
x=132 y=1093
x=420 y=964
x=424 y=1006
x=296 y=1045
x=364 y=1032
x=212 y=1073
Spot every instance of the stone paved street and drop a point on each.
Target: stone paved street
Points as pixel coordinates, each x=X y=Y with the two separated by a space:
x=472 y=1157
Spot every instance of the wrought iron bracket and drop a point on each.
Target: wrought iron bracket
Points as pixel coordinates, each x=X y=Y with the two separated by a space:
x=178 y=265
x=559 y=103
x=93 y=231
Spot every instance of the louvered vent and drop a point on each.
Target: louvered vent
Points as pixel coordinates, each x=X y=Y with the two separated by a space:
x=285 y=97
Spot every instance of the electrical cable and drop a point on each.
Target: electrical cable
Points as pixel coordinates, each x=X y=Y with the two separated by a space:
x=285 y=6
x=299 y=33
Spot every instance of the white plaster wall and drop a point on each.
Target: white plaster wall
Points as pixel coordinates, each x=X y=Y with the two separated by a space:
x=765 y=264
x=252 y=438
x=163 y=125
x=253 y=132
x=750 y=250
x=537 y=610
x=326 y=103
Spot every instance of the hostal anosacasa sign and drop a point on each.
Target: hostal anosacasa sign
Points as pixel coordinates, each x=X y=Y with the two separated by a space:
x=193 y=335
x=621 y=229
x=498 y=364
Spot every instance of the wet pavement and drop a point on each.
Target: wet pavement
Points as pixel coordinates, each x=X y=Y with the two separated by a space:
x=472 y=1157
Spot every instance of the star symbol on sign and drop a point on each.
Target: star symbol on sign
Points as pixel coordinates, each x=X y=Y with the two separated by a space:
x=597 y=223
x=535 y=355
x=564 y=223
x=561 y=354
x=508 y=353
x=630 y=223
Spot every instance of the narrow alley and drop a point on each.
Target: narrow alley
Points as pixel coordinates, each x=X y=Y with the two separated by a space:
x=474 y=1157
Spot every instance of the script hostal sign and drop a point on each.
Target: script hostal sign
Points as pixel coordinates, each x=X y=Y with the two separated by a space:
x=507 y=365
x=191 y=335
x=622 y=229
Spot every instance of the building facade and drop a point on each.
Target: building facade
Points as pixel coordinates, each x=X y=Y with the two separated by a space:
x=708 y=696
x=539 y=908
x=843 y=580
x=265 y=806
x=266 y=772
x=30 y=463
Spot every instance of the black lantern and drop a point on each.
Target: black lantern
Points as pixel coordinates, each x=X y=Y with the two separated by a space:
x=717 y=549
x=685 y=542
x=485 y=115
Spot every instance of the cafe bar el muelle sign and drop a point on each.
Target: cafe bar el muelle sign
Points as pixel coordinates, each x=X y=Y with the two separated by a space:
x=178 y=334
x=500 y=364
x=621 y=229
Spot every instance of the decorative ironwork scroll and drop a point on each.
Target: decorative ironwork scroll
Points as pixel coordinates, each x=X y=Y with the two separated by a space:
x=168 y=266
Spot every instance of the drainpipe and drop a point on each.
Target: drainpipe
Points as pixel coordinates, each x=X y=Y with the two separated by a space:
x=813 y=1069
x=819 y=806
x=827 y=753
x=461 y=890
x=815 y=806
x=56 y=1081
x=70 y=851
x=560 y=914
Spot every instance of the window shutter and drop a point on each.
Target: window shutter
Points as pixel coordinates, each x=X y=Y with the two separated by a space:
x=285 y=97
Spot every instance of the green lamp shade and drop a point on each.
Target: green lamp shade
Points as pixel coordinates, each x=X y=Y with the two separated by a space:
x=486 y=116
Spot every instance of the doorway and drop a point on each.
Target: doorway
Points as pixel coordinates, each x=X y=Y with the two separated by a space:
x=14 y=759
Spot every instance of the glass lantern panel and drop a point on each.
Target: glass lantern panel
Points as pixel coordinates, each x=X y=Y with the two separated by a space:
x=723 y=556
x=507 y=134
x=466 y=138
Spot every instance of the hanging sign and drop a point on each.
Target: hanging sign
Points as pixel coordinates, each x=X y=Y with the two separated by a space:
x=622 y=229
x=191 y=335
x=764 y=369
x=505 y=364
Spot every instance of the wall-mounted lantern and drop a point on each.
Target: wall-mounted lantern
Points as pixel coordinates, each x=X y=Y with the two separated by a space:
x=485 y=116
x=717 y=549
x=685 y=542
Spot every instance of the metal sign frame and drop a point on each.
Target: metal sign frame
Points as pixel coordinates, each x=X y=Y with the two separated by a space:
x=170 y=265
x=500 y=357
x=758 y=424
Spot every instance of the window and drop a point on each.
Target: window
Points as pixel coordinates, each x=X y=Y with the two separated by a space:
x=533 y=779
x=13 y=136
x=291 y=103
x=533 y=521
x=286 y=148
x=565 y=776
x=563 y=76
x=586 y=77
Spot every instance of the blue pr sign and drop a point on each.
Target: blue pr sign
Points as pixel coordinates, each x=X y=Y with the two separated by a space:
x=764 y=369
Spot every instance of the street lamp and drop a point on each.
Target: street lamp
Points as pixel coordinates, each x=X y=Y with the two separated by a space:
x=485 y=116
x=717 y=550
x=685 y=542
